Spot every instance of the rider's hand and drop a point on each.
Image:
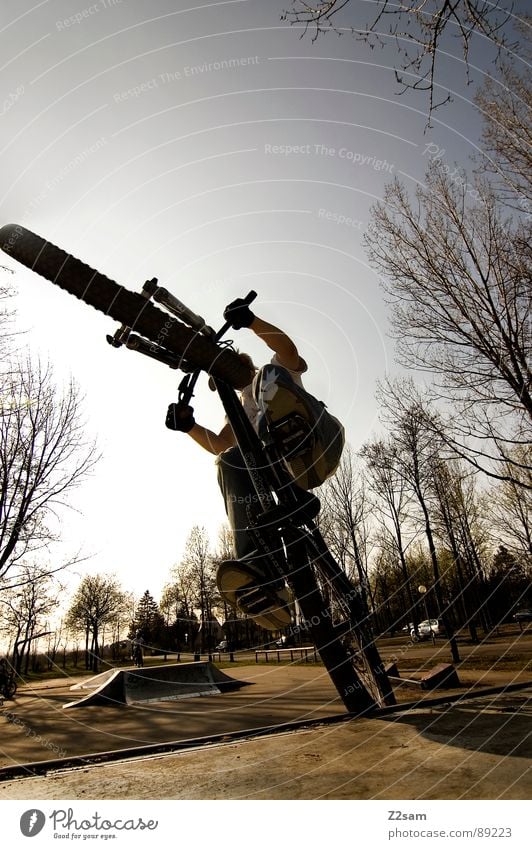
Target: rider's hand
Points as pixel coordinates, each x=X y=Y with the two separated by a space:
x=180 y=417
x=238 y=314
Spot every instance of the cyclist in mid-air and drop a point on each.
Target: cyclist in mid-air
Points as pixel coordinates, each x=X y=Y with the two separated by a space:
x=274 y=394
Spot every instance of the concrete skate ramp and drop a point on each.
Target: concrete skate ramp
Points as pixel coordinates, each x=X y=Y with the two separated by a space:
x=154 y=684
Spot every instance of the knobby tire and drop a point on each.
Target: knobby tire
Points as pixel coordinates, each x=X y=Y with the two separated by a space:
x=129 y=308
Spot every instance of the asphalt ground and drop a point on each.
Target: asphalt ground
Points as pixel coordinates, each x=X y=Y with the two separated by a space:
x=476 y=748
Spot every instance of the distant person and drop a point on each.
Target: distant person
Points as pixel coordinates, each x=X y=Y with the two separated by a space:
x=136 y=649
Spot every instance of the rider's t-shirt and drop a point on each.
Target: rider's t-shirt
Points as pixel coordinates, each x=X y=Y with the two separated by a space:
x=248 y=401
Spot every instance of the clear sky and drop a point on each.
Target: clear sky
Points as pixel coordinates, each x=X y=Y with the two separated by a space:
x=206 y=144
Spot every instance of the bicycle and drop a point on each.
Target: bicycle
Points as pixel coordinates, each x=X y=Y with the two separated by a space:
x=332 y=609
x=8 y=683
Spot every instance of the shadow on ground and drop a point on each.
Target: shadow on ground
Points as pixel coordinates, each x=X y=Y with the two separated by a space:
x=499 y=724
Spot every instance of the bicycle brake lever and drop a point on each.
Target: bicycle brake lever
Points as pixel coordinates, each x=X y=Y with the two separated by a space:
x=185 y=391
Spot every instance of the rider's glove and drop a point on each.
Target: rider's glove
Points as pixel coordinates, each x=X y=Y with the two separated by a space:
x=238 y=314
x=180 y=417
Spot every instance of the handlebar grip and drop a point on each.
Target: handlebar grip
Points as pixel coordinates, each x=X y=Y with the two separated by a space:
x=250 y=297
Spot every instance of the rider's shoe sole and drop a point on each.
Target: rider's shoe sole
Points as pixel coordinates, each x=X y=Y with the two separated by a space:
x=248 y=590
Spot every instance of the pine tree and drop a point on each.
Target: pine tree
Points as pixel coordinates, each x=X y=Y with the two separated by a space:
x=150 y=622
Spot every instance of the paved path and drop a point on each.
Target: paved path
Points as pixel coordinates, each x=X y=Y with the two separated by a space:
x=36 y=727
x=478 y=749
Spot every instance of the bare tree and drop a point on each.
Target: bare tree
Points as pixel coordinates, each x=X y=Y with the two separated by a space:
x=97 y=602
x=177 y=607
x=459 y=283
x=388 y=584
x=44 y=455
x=198 y=561
x=392 y=501
x=25 y=609
x=120 y=626
x=6 y=316
x=56 y=639
x=345 y=502
x=182 y=592
x=509 y=506
x=170 y=603
x=417 y=452
x=457 y=516
x=418 y=28
x=506 y=105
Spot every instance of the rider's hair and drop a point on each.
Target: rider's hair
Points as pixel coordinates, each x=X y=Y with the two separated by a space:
x=247 y=359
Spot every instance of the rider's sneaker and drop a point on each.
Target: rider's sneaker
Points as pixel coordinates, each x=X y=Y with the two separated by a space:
x=246 y=587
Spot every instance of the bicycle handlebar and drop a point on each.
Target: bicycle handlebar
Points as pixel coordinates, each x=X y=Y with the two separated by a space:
x=250 y=297
x=186 y=387
x=178 y=308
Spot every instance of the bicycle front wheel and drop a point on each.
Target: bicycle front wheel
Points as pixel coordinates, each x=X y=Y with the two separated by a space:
x=129 y=308
x=10 y=688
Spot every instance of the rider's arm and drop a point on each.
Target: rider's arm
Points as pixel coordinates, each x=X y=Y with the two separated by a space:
x=213 y=442
x=277 y=341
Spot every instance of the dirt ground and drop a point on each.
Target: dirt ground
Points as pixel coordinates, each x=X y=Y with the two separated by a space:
x=479 y=748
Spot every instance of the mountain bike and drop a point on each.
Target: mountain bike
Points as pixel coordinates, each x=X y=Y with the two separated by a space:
x=331 y=609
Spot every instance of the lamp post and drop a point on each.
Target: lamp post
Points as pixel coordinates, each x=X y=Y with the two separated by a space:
x=423 y=591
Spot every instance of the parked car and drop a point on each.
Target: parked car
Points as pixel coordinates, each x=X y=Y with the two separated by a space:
x=426 y=629
x=223 y=646
x=524 y=614
x=285 y=642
